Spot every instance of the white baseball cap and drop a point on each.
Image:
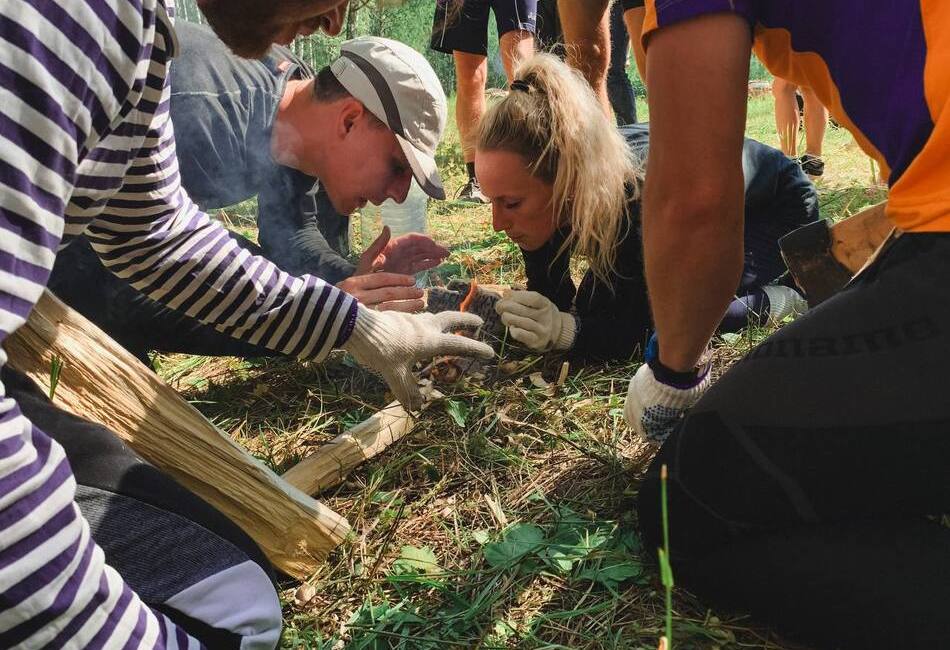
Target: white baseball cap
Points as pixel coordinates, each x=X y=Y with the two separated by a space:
x=397 y=85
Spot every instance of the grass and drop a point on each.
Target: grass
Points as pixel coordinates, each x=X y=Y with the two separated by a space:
x=506 y=519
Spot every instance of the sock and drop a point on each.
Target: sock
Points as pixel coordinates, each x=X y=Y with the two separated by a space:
x=470 y=168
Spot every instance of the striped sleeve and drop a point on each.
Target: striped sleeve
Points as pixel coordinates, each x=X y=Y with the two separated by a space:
x=151 y=234
x=64 y=71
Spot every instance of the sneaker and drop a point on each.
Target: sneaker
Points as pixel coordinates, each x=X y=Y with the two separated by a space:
x=471 y=192
x=812 y=165
x=784 y=302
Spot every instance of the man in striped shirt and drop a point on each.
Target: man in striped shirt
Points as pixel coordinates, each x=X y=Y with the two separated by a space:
x=86 y=146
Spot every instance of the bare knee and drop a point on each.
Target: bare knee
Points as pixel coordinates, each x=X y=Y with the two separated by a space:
x=515 y=46
x=782 y=89
x=471 y=71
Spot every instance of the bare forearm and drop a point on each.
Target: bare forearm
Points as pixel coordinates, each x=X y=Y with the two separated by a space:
x=693 y=263
x=693 y=195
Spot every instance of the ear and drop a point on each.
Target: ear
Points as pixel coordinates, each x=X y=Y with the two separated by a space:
x=351 y=112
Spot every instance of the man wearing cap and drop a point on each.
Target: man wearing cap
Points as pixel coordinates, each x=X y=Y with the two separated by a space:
x=99 y=549
x=263 y=128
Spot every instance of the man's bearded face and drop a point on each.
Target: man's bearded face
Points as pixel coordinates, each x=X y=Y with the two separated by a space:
x=249 y=27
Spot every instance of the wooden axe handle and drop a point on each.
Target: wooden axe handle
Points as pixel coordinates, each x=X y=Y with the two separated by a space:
x=855 y=240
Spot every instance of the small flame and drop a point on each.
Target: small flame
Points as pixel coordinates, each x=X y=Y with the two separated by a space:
x=472 y=288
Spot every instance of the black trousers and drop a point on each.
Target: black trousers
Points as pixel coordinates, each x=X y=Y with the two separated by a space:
x=179 y=554
x=804 y=485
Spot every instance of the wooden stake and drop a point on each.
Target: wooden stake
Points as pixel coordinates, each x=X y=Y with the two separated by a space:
x=102 y=382
x=330 y=464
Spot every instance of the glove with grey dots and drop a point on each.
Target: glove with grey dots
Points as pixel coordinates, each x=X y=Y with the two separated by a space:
x=655 y=408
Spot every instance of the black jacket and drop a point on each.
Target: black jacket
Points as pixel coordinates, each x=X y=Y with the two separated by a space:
x=615 y=322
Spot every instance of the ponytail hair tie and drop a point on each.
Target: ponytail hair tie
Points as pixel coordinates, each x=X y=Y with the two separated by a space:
x=520 y=84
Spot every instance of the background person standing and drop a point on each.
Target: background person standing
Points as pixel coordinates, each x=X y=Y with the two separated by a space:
x=460 y=28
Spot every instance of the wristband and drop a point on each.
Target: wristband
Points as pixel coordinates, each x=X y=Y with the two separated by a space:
x=664 y=374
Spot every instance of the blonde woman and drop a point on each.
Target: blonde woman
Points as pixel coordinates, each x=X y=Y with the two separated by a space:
x=564 y=181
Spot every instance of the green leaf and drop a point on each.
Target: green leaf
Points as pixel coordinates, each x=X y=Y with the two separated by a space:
x=611 y=574
x=516 y=542
x=481 y=536
x=416 y=560
x=575 y=538
x=457 y=410
x=56 y=367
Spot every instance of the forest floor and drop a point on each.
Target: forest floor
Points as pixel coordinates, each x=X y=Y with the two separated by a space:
x=506 y=519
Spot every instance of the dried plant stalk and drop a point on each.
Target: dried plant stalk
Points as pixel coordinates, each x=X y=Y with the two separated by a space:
x=330 y=464
x=102 y=382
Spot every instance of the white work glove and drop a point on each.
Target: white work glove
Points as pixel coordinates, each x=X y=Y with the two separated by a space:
x=392 y=342
x=653 y=408
x=535 y=321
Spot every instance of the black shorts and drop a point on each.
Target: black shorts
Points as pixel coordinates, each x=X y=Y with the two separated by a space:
x=631 y=4
x=467 y=30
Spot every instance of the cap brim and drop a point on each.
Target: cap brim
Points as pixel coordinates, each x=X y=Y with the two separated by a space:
x=423 y=168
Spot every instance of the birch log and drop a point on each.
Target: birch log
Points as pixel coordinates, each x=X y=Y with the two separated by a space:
x=102 y=382
x=333 y=461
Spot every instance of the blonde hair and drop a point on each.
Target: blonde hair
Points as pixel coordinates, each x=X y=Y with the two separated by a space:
x=552 y=119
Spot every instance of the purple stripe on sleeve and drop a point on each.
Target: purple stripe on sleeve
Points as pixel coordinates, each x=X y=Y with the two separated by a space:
x=101 y=183
x=152 y=167
x=17 y=551
x=230 y=283
x=16 y=306
x=334 y=310
x=18 y=180
x=182 y=638
x=79 y=619
x=130 y=130
x=80 y=36
x=13 y=445
x=19 y=267
x=102 y=154
x=41 y=578
x=310 y=295
x=346 y=330
x=130 y=44
x=99 y=641
x=288 y=311
x=33 y=500
x=88 y=203
x=138 y=632
x=33 y=233
x=37 y=147
x=14 y=81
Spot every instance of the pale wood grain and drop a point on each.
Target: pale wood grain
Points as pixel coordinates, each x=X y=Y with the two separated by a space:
x=102 y=382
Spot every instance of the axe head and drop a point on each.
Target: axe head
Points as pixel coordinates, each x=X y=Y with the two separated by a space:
x=808 y=255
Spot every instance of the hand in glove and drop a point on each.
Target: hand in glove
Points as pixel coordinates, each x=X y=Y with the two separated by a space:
x=535 y=321
x=392 y=342
x=658 y=397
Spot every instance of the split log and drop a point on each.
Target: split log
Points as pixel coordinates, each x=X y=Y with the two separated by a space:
x=102 y=382
x=330 y=464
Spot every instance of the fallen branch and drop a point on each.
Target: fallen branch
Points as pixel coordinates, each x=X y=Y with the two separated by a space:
x=102 y=382
x=330 y=464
